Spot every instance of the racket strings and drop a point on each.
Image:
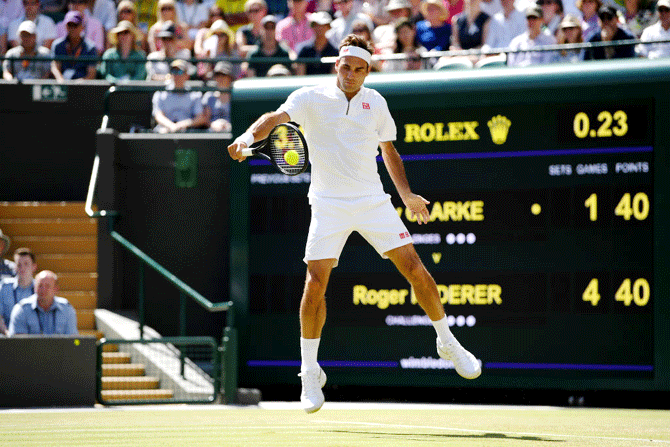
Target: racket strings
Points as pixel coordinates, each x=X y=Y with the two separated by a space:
x=281 y=143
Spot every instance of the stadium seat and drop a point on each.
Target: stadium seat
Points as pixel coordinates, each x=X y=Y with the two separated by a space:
x=453 y=63
x=492 y=61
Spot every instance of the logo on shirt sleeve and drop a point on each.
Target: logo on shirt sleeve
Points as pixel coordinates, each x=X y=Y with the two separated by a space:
x=366 y=106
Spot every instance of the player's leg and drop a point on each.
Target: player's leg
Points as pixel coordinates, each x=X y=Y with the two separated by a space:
x=409 y=264
x=312 y=319
x=313 y=303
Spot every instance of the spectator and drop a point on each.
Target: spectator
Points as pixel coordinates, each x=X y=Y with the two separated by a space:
x=417 y=14
x=434 y=33
x=13 y=290
x=127 y=10
x=570 y=31
x=248 y=37
x=216 y=104
x=407 y=44
x=469 y=29
x=454 y=7
x=21 y=68
x=157 y=66
x=7 y=267
x=215 y=13
x=505 y=26
x=589 y=10
x=75 y=45
x=639 y=14
x=319 y=46
x=105 y=12
x=344 y=21
x=43 y=312
x=177 y=109
x=269 y=48
x=219 y=45
x=53 y=7
x=295 y=27
x=3 y=36
x=167 y=13
x=233 y=12
x=552 y=11
x=278 y=70
x=384 y=36
x=533 y=38
x=658 y=31
x=194 y=14
x=610 y=31
x=147 y=15
x=45 y=26
x=124 y=61
x=10 y=10
x=92 y=28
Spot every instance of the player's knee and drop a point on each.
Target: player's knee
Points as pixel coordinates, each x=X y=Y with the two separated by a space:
x=315 y=282
x=415 y=271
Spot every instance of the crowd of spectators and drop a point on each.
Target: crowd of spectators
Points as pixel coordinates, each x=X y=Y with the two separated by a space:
x=220 y=41
x=122 y=40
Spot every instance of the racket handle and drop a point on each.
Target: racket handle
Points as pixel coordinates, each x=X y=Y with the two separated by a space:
x=248 y=152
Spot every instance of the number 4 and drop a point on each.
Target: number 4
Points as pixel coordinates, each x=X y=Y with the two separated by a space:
x=591 y=293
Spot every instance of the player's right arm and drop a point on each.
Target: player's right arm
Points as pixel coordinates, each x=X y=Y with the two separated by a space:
x=259 y=130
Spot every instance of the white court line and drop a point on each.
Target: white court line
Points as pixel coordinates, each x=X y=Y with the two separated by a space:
x=513 y=433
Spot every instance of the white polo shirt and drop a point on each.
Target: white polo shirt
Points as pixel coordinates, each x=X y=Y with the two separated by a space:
x=654 y=50
x=342 y=137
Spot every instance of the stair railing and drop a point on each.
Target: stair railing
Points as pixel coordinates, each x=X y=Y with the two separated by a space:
x=228 y=348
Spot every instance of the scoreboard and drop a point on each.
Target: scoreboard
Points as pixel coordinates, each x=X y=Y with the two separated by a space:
x=545 y=219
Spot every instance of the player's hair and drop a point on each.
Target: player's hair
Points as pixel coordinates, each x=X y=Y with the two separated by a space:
x=356 y=41
x=23 y=251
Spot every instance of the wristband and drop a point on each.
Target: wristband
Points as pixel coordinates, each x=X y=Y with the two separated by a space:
x=246 y=138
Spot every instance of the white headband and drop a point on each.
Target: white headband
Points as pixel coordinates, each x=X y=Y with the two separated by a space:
x=357 y=52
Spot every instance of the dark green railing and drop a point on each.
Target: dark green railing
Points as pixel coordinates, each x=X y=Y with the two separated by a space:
x=229 y=342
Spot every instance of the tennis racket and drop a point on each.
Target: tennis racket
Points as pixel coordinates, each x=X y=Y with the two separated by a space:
x=285 y=147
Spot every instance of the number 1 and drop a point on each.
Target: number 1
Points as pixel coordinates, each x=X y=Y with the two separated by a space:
x=592 y=204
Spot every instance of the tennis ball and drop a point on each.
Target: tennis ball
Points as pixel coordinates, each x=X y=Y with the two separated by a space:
x=76 y=342
x=291 y=157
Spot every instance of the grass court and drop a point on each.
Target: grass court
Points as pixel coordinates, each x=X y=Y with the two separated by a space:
x=336 y=424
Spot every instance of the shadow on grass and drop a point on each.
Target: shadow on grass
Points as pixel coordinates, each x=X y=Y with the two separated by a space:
x=436 y=436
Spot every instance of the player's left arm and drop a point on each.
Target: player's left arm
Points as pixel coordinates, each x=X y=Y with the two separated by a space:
x=394 y=165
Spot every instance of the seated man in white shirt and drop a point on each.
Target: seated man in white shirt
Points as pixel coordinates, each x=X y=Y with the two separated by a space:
x=535 y=37
x=44 y=313
x=505 y=26
x=658 y=31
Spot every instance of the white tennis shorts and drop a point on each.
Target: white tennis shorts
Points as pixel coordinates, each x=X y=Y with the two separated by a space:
x=334 y=219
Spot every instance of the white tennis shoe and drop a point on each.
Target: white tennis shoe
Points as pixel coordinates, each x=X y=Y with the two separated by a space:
x=465 y=364
x=312 y=397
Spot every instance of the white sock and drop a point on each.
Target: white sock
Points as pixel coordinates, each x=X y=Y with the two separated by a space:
x=309 y=348
x=443 y=331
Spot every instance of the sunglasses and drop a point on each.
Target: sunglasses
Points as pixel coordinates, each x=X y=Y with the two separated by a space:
x=254 y=11
x=126 y=11
x=663 y=10
x=167 y=8
x=73 y=25
x=177 y=71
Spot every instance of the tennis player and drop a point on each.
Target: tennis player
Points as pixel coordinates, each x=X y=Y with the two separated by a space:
x=344 y=124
